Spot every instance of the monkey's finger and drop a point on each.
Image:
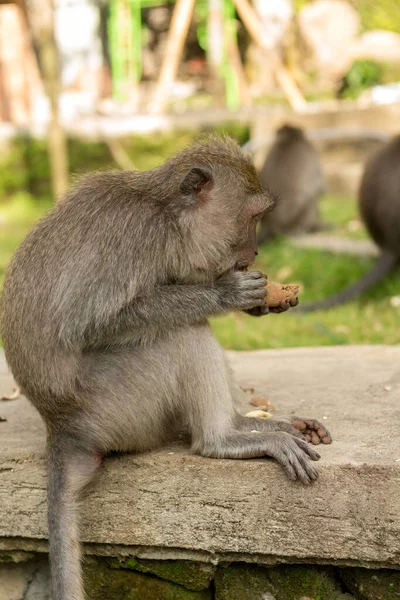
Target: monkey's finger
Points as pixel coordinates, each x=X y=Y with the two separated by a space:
x=289 y=470
x=309 y=450
x=278 y=309
x=258 y=311
x=283 y=426
x=256 y=275
x=308 y=466
x=310 y=425
x=255 y=284
x=284 y=306
x=300 y=471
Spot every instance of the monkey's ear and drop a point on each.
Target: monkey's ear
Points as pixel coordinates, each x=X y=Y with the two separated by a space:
x=197 y=183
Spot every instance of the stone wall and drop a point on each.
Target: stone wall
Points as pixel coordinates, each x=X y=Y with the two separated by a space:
x=26 y=577
x=169 y=525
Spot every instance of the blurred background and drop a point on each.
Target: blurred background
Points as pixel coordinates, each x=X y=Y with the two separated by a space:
x=88 y=84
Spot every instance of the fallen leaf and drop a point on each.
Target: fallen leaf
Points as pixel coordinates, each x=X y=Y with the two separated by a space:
x=245 y=388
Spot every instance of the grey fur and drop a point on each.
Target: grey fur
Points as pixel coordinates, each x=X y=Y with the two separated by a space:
x=379 y=203
x=104 y=323
x=292 y=171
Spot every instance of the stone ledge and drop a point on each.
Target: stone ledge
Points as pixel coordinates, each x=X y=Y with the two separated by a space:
x=168 y=504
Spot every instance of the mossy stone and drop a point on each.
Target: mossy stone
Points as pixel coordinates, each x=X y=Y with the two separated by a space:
x=243 y=582
x=292 y=582
x=105 y=583
x=192 y=575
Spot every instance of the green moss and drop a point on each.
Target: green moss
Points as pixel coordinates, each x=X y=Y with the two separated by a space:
x=104 y=583
x=239 y=582
x=190 y=574
x=291 y=582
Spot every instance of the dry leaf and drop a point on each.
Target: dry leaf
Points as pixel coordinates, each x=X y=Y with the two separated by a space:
x=245 y=388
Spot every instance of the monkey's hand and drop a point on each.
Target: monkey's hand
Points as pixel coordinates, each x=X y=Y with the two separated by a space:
x=258 y=311
x=242 y=290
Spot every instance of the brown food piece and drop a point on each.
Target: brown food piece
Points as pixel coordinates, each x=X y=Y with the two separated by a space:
x=13 y=396
x=247 y=388
x=262 y=403
x=279 y=294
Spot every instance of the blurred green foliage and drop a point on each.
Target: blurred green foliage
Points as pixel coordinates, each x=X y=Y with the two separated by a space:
x=378 y=14
x=361 y=75
x=374 y=14
x=25 y=196
x=364 y=74
x=24 y=167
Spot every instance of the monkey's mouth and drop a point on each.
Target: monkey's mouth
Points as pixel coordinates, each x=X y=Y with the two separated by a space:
x=241 y=266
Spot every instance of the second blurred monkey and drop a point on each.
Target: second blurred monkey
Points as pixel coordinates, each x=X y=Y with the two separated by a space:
x=292 y=171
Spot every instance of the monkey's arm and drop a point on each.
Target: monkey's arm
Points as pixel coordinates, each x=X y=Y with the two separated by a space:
x=170 y=306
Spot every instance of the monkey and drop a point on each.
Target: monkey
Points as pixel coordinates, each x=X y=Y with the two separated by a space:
x=323 y=134
x=293 y=172
x=105 y=311
x=379 y=206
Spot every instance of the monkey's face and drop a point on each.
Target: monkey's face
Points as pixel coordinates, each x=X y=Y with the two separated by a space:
x=244 y=247
x=223 y=211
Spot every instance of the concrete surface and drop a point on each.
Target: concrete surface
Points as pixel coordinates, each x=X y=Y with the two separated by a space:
x=337 y=245
x=169 y=504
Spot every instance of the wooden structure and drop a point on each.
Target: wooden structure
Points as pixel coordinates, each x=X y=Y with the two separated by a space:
x=20 y=80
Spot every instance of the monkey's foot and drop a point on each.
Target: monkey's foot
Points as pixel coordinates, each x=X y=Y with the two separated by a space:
x=312 y=430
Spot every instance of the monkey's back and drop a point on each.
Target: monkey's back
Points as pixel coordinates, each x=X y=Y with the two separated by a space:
x=69 y=265
x=379 y=197
x=293 y=172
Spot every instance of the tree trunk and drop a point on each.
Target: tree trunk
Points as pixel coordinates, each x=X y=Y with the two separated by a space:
x=40 y=15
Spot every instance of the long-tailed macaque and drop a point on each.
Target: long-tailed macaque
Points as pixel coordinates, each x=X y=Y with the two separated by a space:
x=104 y=324
x=293 y=172
x=379 y=203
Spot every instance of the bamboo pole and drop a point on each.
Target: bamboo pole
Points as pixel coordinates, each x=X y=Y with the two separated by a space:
x=41 y=22
x=282 y=75
x=176 y=38
x=236 y=62
x=119 y=154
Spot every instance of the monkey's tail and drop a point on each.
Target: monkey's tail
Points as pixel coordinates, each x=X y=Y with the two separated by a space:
x=69 y=471
x=385 y=263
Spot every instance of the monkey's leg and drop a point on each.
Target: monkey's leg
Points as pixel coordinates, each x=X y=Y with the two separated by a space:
x=310 y=430
x=211 y=415
x=69 y=471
